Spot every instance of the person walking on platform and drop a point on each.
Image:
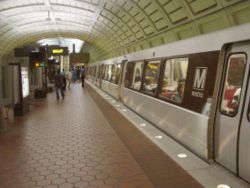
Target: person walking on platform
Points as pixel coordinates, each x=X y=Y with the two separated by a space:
x=82 y=75
x=74 y=75
x=64 y=80
x=59 y=84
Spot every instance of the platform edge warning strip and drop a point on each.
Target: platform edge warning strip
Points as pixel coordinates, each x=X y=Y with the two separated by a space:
x=157 y=165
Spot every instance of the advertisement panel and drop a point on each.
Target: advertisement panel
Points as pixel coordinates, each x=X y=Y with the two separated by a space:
x=25 y=81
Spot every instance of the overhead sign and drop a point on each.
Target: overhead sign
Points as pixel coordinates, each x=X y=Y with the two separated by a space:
x=76 y=58
x=56 y=51
x=39 y=64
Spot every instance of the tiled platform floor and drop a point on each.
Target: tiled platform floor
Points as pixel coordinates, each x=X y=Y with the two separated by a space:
x=67 y=143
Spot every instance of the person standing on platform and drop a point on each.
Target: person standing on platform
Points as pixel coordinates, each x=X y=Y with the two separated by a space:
x=5 y=111
x=74 y=76
x=78 y=72
x=69 y=78
x=59 y=84
x=82 y=75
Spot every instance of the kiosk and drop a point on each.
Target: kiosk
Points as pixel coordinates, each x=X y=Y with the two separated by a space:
x=20 y=84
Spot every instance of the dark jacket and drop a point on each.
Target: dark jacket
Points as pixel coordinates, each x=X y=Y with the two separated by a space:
x=58 y=80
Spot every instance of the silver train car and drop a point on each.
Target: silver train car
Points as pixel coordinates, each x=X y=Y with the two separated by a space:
x=197 y=91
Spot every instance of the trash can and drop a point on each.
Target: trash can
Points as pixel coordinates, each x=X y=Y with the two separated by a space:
x=40 y=93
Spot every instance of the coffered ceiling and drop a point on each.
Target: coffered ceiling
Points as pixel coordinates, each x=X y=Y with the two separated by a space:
x=115 y=27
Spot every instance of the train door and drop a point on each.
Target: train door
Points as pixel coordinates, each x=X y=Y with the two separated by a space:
x=99 y=75
x=122 y=78
x=232 y=127
x=244 y=149
x=118 y=73
x=102 y=70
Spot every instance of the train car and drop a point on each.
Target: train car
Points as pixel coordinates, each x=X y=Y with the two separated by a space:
x=196 y=91
x=232 y=109
x=94 y=76
x=175 y=87
x=111 y=78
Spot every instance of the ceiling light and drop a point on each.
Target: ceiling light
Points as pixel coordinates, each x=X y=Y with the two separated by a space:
x=182 y=155
x=158 y=137
x=124 y=110
x=223 y=186
x=143 y=124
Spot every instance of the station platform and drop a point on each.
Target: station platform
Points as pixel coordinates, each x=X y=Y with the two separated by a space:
x=91 y=140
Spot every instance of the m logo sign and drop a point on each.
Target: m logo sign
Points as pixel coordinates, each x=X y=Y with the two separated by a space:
x=200 y=78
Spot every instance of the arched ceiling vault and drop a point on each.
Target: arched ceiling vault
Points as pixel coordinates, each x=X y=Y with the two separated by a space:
x=115 y=27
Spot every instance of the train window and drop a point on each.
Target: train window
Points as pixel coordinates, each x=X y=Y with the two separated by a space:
x=173 y=83
x=129 y=74
x=98 y=71
x=151 y=77
x=103 y=71
x=117 y=73
x=233 y=83
x=137 y=75
x=113 y=68
x=94 y=71
x=109 y=72
x=106 y=72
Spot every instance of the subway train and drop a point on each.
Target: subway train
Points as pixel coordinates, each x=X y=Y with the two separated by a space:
x=196 y=91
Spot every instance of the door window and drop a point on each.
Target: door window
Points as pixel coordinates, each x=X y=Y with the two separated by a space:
x=118 y=73
x=129 y=74
x=137 y=75
x=233 y=84
x=113 y=69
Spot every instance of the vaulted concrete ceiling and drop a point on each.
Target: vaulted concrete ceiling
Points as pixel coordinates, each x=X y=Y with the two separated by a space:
x=115 y=27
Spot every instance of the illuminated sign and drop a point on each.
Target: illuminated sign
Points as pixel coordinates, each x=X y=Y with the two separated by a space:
x=25 y=81
x=39 y=64
x=57 y=51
